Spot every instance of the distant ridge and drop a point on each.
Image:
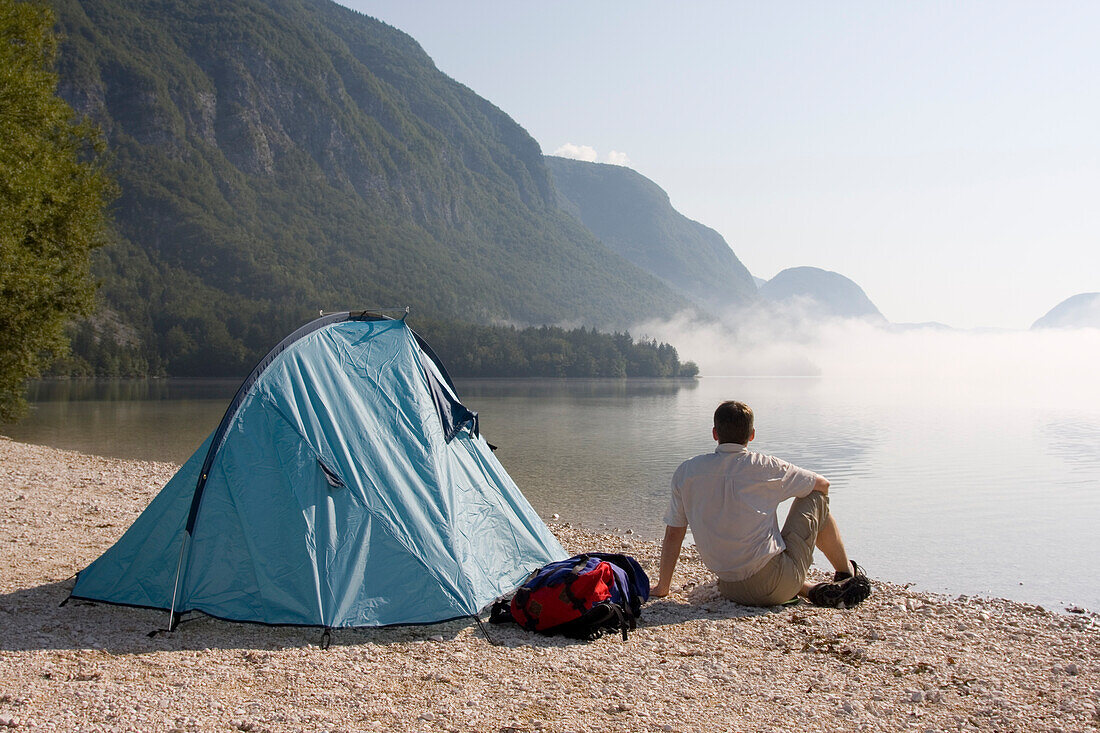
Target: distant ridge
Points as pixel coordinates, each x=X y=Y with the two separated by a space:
x=828 y=293
x=922 y=326
x=634 y=217
x=280 y=156
x=1079 y=311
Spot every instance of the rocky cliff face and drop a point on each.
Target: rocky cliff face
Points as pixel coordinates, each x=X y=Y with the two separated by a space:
x=280 y=156
x=633 y=216
x=264 y=83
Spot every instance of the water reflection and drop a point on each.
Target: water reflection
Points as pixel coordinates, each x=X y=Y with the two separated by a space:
x=130 y=390
x=602 y=453
x=143 y=419
x=1076 y=440
x=571 y=389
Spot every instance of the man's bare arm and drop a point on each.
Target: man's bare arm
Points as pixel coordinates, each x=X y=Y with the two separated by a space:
x=670 y=553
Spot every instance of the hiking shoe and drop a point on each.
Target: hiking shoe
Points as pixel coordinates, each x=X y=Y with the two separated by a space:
x=841 y=575
x=846 y=593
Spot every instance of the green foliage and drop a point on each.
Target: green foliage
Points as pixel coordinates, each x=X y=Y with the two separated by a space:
x=548 y=351
x=100 y=351
x=52 y=196
x=278 y=157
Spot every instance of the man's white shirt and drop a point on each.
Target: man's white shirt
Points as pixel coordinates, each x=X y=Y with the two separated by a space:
x=729 y=498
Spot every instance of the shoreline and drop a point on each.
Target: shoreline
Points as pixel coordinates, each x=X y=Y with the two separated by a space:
x=903 y=659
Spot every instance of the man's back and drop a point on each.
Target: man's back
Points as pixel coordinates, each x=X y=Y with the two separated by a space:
x=729 y=498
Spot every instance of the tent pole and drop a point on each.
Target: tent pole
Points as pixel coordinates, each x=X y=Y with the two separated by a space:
x=484 y=630
x=176 y=585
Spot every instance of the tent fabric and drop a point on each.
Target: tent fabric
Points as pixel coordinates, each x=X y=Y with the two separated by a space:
x=346 y=486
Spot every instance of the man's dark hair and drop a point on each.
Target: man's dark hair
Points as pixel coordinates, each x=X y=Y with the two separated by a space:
x=733 y=421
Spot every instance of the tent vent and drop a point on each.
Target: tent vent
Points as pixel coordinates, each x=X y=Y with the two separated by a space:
x=333 y=480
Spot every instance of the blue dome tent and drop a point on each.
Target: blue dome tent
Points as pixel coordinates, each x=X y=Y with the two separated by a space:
x=345 y=486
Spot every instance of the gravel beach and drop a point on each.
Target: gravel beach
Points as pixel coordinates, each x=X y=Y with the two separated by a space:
x=903 y=660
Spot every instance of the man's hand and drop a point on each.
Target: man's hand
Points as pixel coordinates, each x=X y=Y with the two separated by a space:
x=821 y=484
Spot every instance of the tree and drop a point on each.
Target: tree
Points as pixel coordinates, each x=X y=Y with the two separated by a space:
x=53 y=196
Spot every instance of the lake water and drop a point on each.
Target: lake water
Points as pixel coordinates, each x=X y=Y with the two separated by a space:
x=958 y=487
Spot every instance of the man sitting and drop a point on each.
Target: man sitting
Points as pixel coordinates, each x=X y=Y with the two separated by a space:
x=729 y=499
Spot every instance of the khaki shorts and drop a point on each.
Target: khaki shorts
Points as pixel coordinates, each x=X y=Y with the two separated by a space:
x=781 y=579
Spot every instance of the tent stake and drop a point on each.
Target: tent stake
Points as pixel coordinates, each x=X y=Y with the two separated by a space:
x=484 y=631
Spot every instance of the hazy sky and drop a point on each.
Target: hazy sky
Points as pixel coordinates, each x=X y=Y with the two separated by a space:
x=945 y=156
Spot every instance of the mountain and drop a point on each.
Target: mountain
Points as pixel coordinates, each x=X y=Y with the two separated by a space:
x=634 y=217
x=825 y=293
x=277 y=157
x=1080 y=311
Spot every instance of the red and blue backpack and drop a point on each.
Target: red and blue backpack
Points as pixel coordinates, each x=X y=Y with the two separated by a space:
x=583 y=597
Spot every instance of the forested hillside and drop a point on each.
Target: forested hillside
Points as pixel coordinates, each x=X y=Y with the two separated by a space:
x=549 y=351
x=633 y=216
x=276 y=157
